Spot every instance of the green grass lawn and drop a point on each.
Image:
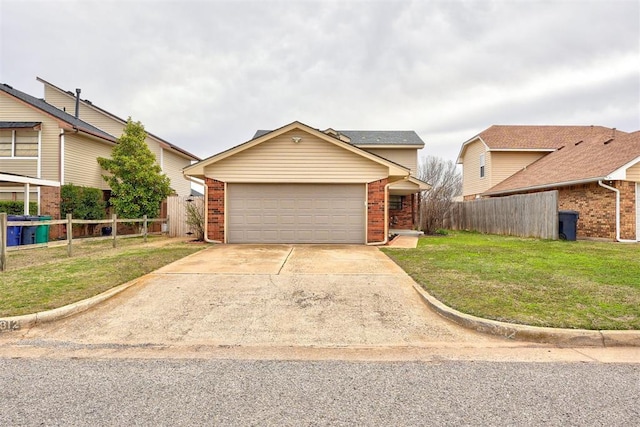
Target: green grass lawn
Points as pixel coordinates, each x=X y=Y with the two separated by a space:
x=45 y=278
x=583 y=284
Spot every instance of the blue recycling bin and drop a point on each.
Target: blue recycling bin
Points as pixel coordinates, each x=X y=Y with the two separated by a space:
x=568 y=225
x=29 y=231
x=14 y=232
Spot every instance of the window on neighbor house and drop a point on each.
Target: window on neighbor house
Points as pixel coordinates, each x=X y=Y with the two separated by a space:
x=482 y=165
x=395 y=202
x=18 y=143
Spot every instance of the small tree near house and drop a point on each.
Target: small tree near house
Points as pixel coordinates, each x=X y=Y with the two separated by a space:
x=137 y=183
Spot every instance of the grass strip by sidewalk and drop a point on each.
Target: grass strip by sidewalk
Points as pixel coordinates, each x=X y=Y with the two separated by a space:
x=42 y=279
x=583 y=284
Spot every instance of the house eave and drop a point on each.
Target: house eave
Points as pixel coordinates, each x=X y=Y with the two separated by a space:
x=543 y=186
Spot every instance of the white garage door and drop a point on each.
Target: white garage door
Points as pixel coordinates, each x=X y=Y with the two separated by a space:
x=296 y=213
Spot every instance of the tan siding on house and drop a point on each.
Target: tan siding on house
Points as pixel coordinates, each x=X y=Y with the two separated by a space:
x=66 y=101
x=311 y=160
x=505 y=164
x=407 y=157
x=173 y=165
x=471 y=181
x=633 y=173
x=14 y=110
x=17 y=194
x=81 y=164
x=26 y=167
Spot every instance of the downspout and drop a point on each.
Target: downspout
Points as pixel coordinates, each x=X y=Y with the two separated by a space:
x=615 y=190
x=206 y=216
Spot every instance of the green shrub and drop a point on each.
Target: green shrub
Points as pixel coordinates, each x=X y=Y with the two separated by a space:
x=11 y=207
x=82 y=202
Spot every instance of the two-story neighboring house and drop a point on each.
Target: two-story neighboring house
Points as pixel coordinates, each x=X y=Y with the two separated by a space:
x=48 y=143
x=297 y=184
x=595 y=169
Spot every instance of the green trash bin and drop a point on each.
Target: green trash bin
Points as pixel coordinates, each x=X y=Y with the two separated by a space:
x=42 y=232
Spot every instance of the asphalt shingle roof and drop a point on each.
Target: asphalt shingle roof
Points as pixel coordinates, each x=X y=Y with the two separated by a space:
x=373 y=137
x=538 y=137
x=18 y=125
x=580 y=159
x=55 y=112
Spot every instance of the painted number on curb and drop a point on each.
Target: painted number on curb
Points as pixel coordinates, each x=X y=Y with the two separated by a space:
x=9 y=325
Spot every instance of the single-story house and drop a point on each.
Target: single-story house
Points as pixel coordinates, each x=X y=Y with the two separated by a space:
x=297 y=184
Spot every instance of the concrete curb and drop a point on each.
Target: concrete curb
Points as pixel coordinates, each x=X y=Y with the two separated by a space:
x=557 y=336
x=16 y=323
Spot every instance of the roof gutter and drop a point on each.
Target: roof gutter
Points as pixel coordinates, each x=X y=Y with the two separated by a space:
x=615 y=190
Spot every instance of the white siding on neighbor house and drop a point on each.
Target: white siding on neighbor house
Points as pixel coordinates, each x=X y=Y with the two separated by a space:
x=506 y=163
x=407 y=157
x=472 y=183
x=173 y=165
x=15 y=110
x=282 y=160
x=81 y=164
x=633 y=173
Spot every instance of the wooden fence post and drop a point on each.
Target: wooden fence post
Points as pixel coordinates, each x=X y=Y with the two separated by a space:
x=114 y=227
x=144 y=228
x=69 y=234
x=3 y=241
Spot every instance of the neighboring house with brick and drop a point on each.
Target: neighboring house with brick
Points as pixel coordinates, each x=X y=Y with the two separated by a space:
x=596 y=171
x=297 y=184
x=43 y=145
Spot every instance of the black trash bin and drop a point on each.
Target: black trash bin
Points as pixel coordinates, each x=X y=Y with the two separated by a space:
x=568 y=222
x=29 y=232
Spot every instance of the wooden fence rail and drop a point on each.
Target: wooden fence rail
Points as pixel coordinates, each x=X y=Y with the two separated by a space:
x=523 y=215
x=69 y=222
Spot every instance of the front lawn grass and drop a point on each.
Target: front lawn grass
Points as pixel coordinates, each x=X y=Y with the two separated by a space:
x=583 y=284
x=45 y=278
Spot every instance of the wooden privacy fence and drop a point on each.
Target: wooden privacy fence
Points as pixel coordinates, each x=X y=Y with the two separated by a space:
x=523 y=215
x=69 y=222
x=177 y=211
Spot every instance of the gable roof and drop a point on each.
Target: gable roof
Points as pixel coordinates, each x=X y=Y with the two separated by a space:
x=197 y=169
x=90 y=104
x=362 y=138
x=593 y=158
x=533 y=138
x=71 y=121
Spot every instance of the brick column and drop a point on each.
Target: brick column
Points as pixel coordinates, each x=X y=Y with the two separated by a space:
x=50 y=205
x=375 y=210
x=627 y=209
x=215 y=209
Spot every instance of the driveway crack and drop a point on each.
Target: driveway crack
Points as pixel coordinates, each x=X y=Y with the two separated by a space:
x=285 y=261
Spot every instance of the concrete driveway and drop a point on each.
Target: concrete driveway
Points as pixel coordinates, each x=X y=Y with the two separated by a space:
x=278 y=295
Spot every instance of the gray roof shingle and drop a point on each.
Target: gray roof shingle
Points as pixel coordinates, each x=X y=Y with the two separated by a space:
x=55 y=112
x=373 y=137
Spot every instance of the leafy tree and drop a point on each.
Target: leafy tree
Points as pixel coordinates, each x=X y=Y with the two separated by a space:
x=136 y=180
x=446 y=184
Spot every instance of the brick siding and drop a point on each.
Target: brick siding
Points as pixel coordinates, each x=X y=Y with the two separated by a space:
x=375 y=210
x=404 y=218
x=50 y=205
x=597 y=209
x=215 y=209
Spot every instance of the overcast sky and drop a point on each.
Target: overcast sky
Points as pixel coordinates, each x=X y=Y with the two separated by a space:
x=206 y=74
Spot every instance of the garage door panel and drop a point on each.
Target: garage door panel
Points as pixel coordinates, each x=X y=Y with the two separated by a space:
x=296 y=213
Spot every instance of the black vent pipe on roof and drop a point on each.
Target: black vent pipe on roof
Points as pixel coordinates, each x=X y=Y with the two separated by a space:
x=77 y=103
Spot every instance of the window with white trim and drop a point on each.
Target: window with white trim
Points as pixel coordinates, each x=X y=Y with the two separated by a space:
x=18 y=143
x=482 y=165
